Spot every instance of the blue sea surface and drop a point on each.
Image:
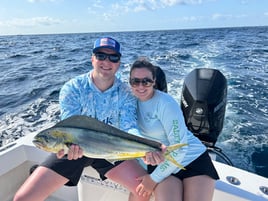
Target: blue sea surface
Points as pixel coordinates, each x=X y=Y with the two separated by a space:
x=34 y=67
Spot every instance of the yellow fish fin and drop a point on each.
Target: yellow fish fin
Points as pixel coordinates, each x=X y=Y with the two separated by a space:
x=128 y=156
x=174 y=147
x=170 y=158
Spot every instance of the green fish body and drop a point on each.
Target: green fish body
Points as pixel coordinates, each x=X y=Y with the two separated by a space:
x=98 y=140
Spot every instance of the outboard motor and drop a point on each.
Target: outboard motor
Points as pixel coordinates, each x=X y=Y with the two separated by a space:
x=203 y=102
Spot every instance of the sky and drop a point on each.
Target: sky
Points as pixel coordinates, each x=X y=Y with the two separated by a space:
x=86 y=16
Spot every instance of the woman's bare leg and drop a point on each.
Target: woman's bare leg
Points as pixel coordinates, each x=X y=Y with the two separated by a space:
x=170 y=189
x=198 y=188
x=126 y=174
x=39 y=185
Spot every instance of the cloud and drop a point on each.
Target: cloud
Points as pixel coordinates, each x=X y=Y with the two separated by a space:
x=184 y=2
x=218 y=16
x=116 y=11
x=191 y=18
x=31 y=22
x=141 y=5
x=122 y=7
x=93 y=8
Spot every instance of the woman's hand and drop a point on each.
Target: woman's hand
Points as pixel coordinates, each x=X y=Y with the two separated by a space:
x=146 y=187
x=74 y=153
x=156 y=157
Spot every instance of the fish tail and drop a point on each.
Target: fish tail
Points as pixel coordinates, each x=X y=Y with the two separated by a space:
x=170 y=158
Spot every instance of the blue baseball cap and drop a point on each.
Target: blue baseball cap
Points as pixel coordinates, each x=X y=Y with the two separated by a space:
x=107 y=42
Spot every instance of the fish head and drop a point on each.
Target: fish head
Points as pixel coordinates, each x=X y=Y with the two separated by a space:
x=51 y=140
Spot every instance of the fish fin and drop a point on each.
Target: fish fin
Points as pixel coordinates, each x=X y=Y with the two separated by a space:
x=89 y=123
x=127 y=156
x=66 y=149
x=174 y=147
x=120 y=159
x=170 y=158
x=79 y=121
x=112 y=160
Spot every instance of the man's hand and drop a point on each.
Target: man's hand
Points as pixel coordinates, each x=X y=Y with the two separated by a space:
x=74 y=153
x=156 y=157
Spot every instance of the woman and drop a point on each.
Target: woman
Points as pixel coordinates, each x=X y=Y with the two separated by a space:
x=160 y=118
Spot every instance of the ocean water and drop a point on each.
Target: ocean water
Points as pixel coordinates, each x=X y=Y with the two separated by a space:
x=34 y=67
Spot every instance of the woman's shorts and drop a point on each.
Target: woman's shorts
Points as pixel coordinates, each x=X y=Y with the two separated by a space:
x=200 y=166
x=72 y=169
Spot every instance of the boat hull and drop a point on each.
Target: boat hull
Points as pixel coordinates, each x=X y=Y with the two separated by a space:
x=17 y=158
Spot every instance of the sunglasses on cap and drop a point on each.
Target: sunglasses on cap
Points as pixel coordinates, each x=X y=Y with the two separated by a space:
x=102 y=56
x=146 y=82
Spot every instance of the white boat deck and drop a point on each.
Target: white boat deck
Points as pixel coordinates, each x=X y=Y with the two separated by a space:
x=17 y=159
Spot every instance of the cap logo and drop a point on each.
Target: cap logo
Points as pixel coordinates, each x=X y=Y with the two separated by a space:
x=107 y=42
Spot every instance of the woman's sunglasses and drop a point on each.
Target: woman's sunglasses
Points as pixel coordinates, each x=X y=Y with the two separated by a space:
x=146 y=82
x=112 y=57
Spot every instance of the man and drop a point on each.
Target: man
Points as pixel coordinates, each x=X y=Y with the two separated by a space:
x=97 y=94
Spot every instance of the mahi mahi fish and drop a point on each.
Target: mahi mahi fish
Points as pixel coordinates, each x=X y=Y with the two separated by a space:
x=98 y=140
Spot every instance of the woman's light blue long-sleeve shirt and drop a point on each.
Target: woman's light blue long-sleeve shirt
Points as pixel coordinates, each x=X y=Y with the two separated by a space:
x=161 y=119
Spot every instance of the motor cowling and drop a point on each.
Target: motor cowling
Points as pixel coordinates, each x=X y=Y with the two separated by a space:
x=203 y=102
